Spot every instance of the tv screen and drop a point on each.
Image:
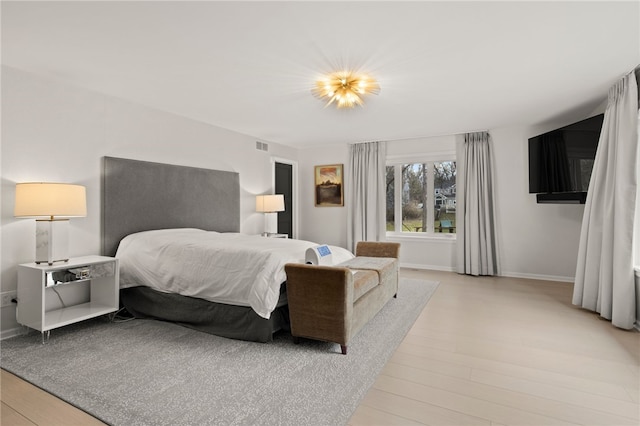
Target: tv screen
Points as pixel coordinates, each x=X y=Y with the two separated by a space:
x=561 y=161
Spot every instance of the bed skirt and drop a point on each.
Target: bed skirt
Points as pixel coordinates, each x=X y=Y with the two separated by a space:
x=234 y=322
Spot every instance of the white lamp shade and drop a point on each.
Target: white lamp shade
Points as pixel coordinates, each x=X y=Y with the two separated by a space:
x=40 y=199
x=270 y=203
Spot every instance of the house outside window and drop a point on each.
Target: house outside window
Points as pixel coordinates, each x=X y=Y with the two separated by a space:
x=421 y=197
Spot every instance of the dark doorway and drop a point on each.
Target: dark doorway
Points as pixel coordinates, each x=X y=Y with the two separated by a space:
x=284 y=185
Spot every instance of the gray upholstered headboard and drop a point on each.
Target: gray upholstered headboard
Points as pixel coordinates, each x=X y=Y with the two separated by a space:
x=141 y=196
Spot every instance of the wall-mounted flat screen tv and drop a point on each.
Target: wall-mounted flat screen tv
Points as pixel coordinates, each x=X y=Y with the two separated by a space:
x=560 y=161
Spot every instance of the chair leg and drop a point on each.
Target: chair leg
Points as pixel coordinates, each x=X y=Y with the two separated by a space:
x=343 y=348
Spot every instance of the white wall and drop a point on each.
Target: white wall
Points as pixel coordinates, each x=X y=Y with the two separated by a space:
x=324 y=225
x=534 y=240
x=55 y=132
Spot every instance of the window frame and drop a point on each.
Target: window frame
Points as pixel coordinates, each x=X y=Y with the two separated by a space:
x=425 y=158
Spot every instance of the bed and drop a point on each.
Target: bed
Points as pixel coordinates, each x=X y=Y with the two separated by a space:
x=175 y=230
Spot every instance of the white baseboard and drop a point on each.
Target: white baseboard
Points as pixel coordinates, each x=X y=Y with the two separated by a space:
x=12 y=332
x=504 y=274
x=538 y=277
x=427 y=267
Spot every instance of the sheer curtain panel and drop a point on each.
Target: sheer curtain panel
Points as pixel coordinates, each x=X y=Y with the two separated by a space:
x=604 y=272
x=366 y=193
x=476 y=244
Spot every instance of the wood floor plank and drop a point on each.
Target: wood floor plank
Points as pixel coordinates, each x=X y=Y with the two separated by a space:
x=586 y=400
x=554 y=378
x=430 y=364
x=540 y=405
x=462 y=403
x=371 y=416
x=634 y=393
x=581 y=366
x=39 y=406
x=419 y=411
x=10 y=417
x=601 y=347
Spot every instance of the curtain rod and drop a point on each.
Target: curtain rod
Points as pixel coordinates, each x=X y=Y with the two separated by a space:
x=439 y=135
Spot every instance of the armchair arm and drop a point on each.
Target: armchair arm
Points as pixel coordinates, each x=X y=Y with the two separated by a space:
x=320 y=301
x=377 y=249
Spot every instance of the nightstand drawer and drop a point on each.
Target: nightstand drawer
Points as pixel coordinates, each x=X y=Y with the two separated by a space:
x=78 y=273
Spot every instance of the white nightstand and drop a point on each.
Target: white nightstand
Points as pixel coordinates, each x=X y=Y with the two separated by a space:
x=277 y=235
x=52 y=296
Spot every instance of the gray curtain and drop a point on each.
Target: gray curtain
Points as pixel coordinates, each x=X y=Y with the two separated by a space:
x=604 y=272
x=366 y=203
x=475 y=219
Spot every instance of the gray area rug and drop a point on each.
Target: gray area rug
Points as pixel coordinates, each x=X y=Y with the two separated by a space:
x=146 y=372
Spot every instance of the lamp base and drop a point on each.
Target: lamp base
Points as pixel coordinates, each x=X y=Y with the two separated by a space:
x=270 y=223
x=52 y=241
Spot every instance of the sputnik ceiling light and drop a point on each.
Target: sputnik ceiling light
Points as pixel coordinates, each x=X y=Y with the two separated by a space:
x=345 y=88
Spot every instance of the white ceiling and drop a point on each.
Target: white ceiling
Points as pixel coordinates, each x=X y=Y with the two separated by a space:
x=443 y=67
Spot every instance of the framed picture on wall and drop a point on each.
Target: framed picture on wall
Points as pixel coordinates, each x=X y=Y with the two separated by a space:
x=329 y=186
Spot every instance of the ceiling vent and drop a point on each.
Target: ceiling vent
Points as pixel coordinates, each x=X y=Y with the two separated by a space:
x=262 y=146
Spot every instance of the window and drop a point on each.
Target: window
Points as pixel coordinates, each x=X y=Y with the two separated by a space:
x=424 y=198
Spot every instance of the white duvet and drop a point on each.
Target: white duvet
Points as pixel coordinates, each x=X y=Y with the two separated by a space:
x=229 y=268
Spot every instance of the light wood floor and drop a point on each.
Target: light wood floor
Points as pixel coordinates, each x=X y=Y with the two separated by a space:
x=484 y=351
x=504 y=351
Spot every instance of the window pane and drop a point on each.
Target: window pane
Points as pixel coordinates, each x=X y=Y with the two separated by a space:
x=444 y=180
x=414 y=195
x=390 y=198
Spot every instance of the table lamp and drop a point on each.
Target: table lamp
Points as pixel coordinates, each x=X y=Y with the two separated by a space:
x=270 y=205
x=56 y=202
